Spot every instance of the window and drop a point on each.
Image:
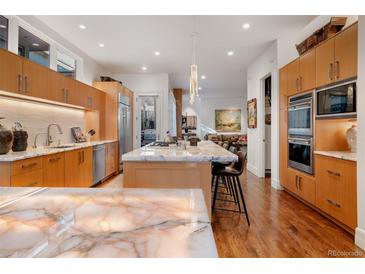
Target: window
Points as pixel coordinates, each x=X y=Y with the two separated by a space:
x=33 y=48
x=4 y=26
x=66 y=65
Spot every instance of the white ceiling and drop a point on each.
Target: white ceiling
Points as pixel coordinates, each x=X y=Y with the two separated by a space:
x=130 y=43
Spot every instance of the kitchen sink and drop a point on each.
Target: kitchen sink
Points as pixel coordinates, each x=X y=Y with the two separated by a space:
x=61 y=146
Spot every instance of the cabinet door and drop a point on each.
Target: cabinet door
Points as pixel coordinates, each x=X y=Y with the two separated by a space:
x=307 y=71
x=54 y=170
x=87 y=167
x=336 y=189
x=292 y=180
x=10 y=72
x=306 y=188
x=71 y=88
x=293 y=77
x=325 y=53
x=345 y=65
x=57 y=91
x=35 y=79
x=78 y=168
x=110 y=165
x=283 y=85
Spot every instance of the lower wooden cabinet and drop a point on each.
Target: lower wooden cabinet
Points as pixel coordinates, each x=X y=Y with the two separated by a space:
x=30 y=179
x=336 y=189
x=78 y=168
x=302 y=185
x=54 y=170
x=111 y=163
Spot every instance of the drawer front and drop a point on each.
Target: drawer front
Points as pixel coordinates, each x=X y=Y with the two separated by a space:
x=336 y=189
x=30 y=179
x=25 y=166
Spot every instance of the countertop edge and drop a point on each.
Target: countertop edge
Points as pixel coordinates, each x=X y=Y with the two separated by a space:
x=343 y=155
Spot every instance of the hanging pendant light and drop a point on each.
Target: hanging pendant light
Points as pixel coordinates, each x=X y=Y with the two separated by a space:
x=193 y=70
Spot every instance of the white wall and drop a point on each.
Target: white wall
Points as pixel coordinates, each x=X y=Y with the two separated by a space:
x=149 y=84
x=35 y=118
x=263 y=66
x=204 y=108
x=360 y=230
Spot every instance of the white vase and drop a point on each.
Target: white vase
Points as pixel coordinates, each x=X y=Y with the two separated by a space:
x=351 y=137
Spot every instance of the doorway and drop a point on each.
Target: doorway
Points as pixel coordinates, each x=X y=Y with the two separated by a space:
x=267 y=129
x=149 y=122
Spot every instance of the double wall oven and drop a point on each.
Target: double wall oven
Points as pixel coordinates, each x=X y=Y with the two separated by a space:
x=300 y=130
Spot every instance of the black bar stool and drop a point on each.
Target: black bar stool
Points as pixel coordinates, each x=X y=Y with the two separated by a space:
x=230 y=178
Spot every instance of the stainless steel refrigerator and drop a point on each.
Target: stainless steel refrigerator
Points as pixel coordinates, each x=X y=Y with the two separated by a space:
x=124 y=127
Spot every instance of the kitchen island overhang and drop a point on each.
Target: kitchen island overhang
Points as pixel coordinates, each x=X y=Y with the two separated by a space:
x=155 y=167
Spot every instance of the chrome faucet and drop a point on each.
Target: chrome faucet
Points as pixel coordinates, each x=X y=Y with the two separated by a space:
x=49 y=137
x=36 y=138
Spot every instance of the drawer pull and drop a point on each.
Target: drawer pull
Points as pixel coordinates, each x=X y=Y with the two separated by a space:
x=334 y=173
x=333 y=203
x=52 y=160
x=29 y=165
x=32 y=184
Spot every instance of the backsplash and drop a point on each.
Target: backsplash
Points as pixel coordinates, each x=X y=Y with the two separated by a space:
x=35 y=117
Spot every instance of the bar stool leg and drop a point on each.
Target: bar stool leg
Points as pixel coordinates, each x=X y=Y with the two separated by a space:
x=236 y=192
x=243 y=199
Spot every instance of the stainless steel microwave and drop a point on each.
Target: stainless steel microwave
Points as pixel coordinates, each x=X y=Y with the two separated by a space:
x=336 y=101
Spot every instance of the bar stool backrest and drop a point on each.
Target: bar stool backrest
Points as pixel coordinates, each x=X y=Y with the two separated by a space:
x=240 y=165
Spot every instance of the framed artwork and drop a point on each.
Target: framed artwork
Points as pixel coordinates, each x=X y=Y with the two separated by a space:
x=228 y=120
x=252 y=113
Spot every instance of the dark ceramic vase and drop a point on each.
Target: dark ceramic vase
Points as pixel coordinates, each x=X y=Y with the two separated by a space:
x=6 y=140
x=20 y=142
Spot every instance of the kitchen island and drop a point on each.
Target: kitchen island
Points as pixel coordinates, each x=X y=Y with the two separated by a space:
x=166 y=167
x=59 y=222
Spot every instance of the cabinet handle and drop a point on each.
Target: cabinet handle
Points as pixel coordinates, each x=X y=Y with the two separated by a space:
x=32 y=184
x=79 y=153
x=20 y=84
x=337 y=69
x=26 y=85
x=52 y=160
x=334 y=173
x=297 y=84
x=330 y=71
x=300 y=183
x=28 y=166
x=333 y=203
x=83 y=156
x=66 y=95
x=296 y=181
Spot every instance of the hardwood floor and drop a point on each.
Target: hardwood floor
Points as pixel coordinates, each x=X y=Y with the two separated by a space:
x=281 y=226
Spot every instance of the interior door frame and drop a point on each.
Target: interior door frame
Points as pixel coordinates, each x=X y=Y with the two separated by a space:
x=137 y=114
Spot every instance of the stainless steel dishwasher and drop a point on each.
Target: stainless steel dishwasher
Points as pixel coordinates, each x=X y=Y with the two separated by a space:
x=98 y=163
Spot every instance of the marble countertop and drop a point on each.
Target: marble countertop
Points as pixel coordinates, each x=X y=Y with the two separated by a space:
x=344 y=155
x=41 y=151
x=70 y=222
x=205 y=151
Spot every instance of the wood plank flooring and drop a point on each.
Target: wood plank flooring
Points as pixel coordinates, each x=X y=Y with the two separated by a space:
x=281 y=226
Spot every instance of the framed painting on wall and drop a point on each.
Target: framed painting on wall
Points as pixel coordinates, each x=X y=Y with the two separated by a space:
x=252 y=113
x=228 y=120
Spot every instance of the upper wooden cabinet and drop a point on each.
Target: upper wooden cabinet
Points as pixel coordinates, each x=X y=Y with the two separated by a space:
x=337 y=57
x=35 y=79
x=11 y=71
x=301 y=73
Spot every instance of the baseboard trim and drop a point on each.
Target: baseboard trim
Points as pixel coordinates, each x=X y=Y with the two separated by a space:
x=276 y=184
x=252 y=169
x=360 y=238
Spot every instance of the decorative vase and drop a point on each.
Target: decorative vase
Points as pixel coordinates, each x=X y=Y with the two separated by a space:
x=351 y=137
x=6 y=139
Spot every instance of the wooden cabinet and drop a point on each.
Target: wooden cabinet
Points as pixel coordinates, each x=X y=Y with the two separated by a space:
x=336 y=189
x=283 y=126
x=54 y=170
x=10 y=72
x=301 y=73
x=35 y=79
x=337 y=57
x=27 y=173
x=111 y=164
x=302 y=185
x=78 y=168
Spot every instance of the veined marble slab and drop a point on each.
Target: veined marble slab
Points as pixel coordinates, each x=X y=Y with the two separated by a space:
x=107 y=223
x=205 y=151
x=344 y=155
x=41 y=151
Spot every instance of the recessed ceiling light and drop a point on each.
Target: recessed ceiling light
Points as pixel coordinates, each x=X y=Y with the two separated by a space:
x=203 y=77
x=144 y=68
x=35 y=44
x=246 y=26
x=3 y=27
x=230 y=53
x=157 y=53
x=82 y=27
x=101 y=45
x=199 y=88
